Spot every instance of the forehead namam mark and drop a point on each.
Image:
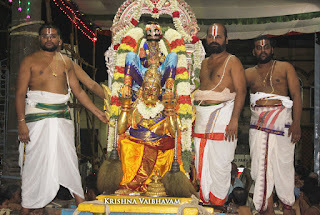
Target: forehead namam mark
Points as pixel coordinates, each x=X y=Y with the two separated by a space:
x=262 y=43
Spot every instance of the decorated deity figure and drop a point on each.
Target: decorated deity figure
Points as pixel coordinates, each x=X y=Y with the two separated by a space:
x=151 y=54
x=150 y=143
x=147 y=65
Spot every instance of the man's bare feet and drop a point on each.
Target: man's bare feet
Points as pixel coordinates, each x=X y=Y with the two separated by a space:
x=24 y=211
x=39 y=211
x=78 y=199
x=27 y=211
x=269 y=210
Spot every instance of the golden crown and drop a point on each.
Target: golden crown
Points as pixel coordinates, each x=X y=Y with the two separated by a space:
x=153 y=74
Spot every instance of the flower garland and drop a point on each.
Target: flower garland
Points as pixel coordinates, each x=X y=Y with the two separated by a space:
x=194 y=40
x=184 y=110
x=177 y=22
x=147 y=112
x=116 y=39
x=129 y=43
x=196 y=67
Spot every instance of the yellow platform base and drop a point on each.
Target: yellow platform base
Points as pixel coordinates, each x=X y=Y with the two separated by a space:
x=139 y=205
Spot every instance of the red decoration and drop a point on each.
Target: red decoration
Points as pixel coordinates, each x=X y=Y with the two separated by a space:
x=155 y=10
x=119 y=69
x=176 y=43
x=129 y=41
x=134 y=22
x=116 y=46
x=181 y=70
x=184 y=99
x=115 y=101
x=195 y=39
x=176 y=14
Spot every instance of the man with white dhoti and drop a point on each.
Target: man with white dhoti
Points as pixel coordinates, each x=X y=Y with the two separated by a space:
x=273 y=132
x=47 y=152
x=219 y=102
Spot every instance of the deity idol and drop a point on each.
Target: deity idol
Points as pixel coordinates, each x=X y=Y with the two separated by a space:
x=150 y=145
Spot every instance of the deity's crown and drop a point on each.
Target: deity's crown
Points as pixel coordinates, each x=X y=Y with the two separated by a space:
x=153 y=74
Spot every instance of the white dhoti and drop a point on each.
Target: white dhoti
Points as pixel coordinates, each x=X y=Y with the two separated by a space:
x=272 y=152
x=213 y=153
x=50 y=156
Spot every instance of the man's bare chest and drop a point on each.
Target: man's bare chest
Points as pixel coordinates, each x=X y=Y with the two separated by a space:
x=48 y=68
x=262 y=79
x=215 y=71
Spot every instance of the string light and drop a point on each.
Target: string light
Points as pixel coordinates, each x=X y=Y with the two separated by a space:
x=28 y=10
x=81 y=26
x=10 y=1
x=19 y=8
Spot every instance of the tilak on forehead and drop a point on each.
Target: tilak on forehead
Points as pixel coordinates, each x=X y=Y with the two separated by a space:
x=262 y=42
x=49 y=30
x=215 y=30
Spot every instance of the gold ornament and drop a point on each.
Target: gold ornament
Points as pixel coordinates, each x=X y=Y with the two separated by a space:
x=156 y=187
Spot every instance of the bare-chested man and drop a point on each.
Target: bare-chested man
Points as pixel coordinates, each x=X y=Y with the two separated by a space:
x=219 y=103
x=272 y=131
x=44 y=83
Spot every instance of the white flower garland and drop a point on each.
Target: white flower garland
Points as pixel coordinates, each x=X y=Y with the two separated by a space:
x=141 y=45
x=172 y=35
x=149 y=4
x=115 y=88
x=121 y=59
x=186 y=135
x=160 y=3
x=180 y=29
x=110 y=138
x=197 y=54
x=177 y=23
x=148 y=113
x=137 y=14
x=197 y=62
x=183 y=89
x=117 y=38
x=182 y=62
x=135 y=33
x=163 y=47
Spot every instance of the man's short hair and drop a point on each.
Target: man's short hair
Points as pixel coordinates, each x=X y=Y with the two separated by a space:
x=49 y=25
x=224 y=27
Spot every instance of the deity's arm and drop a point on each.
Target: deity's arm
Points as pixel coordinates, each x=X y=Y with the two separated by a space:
x=123 y=121
x=126 y=109
x=169 y=103
x=171 y=124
